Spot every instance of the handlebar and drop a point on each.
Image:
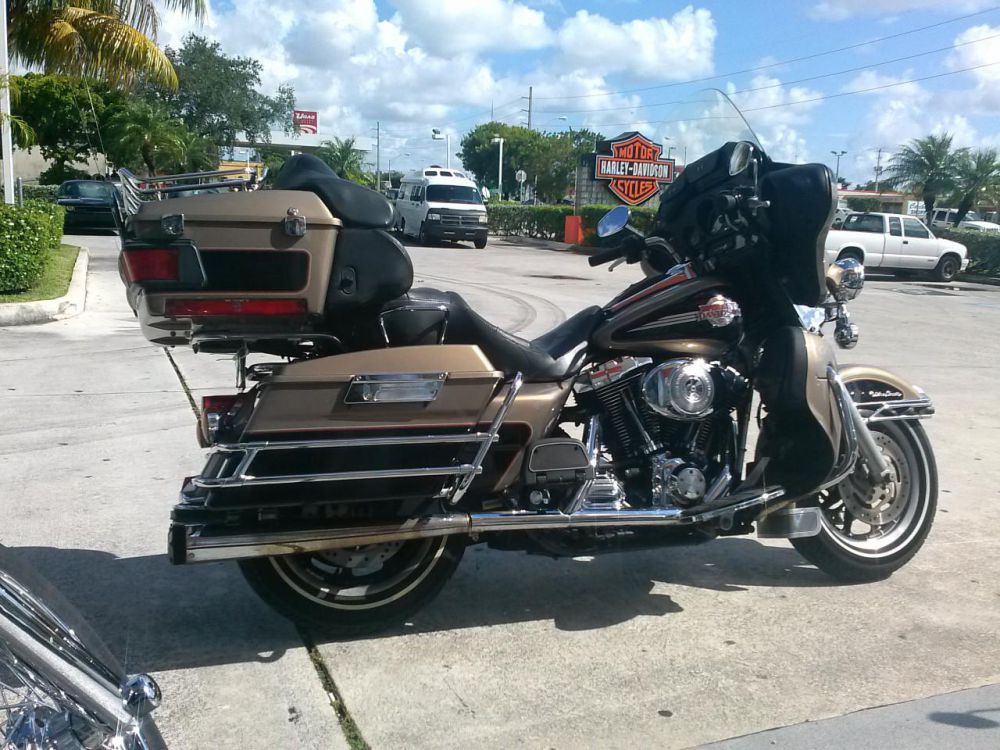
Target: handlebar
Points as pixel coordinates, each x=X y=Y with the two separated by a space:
x=606 y=256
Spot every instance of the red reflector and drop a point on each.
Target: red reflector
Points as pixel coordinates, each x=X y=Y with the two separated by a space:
x=208 y=307
x=152 y=265
x=218 y=404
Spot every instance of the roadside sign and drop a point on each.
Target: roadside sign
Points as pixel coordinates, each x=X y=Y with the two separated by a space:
x=520 y=175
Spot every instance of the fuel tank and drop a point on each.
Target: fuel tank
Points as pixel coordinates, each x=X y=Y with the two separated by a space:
x=679 y=313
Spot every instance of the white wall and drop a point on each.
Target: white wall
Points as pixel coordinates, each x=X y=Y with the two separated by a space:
x=29 y=163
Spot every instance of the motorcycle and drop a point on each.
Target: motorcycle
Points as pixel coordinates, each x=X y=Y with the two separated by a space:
x=398 y=427
x=60 y=687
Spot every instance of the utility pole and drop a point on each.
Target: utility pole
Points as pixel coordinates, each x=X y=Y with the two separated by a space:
x=6 y=142
x=528 y=110
x=878 y=169
x=378 y=155
x=838 y=154
x=498 y=139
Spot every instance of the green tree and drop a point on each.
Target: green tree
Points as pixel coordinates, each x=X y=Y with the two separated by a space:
x=66 y=117
x=977 y=175
x=193 y=152
x=143 y=134
x=927 y=167
x=272 y=157
x=480 y=155
x=864 y=204
x=552 y=160
x=217 y=96
x=344 y=158
x=114 y=40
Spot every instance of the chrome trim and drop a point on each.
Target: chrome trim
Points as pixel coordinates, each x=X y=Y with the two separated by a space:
x=856 y=432
x=477 y=463
x=470 y=437
x=200 y=548
x=135 y=190
x=434 y=379
x=241 y=479
x=922 y=408
x=790 y=523
x=608 y=372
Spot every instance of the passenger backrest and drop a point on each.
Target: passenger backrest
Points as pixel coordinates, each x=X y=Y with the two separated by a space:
x=355 y=205
x=370 y=267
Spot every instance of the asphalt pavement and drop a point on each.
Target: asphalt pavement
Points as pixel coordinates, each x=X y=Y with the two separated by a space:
x=668 y=648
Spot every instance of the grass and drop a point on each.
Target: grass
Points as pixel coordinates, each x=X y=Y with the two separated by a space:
x=55 y=280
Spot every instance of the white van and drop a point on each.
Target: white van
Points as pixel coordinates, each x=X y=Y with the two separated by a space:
x=441 y=204
x=944 y=218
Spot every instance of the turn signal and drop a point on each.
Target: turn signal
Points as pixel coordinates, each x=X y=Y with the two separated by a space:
x=151 y=264
x=183 y=308
x=214 y=409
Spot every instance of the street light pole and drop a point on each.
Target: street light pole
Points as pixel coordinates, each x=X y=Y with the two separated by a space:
x=498 y=139
x=6 y=142
x=437 y=135
x=838 y=154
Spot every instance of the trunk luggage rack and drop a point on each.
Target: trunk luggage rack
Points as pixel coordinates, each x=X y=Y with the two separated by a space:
x=138 y=190
x=237 y=459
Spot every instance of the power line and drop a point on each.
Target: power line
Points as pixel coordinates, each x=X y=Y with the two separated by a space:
x=785 y=83
x=804 y=101
x=767 y=66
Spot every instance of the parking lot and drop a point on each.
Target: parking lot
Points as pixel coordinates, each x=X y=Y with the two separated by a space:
x=667 y=648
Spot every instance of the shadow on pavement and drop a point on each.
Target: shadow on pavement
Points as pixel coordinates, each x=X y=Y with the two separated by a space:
x=967 y=719
x=158 y=617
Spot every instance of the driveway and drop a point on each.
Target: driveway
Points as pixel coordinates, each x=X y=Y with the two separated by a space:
x=667 y=648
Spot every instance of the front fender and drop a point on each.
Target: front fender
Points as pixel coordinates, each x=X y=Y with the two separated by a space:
x=884 y=395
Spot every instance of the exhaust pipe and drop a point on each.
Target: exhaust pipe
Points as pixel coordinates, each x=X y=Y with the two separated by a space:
x=192 y=543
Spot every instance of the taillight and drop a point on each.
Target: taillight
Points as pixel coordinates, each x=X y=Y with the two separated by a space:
x=152 y=264
x=216 y=412
x=234 y=307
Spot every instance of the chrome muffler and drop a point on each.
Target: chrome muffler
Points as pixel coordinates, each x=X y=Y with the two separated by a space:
x=193 y=543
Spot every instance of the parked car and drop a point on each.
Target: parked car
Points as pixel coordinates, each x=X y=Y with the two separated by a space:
x=895 y=241
x=89 y=204
x=945 y=218
x=441 y=204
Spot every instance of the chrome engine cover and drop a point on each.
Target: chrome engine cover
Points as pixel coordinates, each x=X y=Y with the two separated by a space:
x=683 y=389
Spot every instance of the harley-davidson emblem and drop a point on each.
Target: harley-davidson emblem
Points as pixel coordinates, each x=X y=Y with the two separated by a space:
x=719 y=311
x=634 y=168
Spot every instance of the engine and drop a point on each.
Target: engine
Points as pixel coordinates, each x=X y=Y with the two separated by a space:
x=667 y=426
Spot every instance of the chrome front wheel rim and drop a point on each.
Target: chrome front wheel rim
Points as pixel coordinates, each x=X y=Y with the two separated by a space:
x=874 y=520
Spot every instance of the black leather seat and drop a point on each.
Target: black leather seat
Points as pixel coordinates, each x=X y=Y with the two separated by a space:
x=553 y=356
x=354 y=204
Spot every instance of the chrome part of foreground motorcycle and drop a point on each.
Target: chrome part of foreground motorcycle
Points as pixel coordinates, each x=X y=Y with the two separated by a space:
x=196 y=547
x=54 y=692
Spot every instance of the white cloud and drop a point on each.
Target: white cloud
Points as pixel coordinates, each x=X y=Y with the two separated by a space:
x=677 y=48
x=777 y=113
x=448 y=27
x=839 y=10
x=985 y=96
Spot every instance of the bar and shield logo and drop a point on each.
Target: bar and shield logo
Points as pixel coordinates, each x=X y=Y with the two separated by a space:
x=308 y=122
x=634 y=168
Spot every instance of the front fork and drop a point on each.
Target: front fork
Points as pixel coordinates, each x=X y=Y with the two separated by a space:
x=860 y=443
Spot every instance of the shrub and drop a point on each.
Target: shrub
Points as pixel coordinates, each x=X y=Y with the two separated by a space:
x=546 y=222
x=29 y=234
x=643 y=219
x=40 y=192
x=984 y=248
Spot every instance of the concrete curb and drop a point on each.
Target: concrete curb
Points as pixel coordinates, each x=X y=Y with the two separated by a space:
x=47 y=310
x=552 y=245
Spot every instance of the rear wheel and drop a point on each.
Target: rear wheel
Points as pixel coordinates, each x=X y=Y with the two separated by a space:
x=357 y=590
x=947 y=268
x=868 y=530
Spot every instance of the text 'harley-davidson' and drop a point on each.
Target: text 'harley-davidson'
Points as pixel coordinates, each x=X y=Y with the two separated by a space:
x=401 y=427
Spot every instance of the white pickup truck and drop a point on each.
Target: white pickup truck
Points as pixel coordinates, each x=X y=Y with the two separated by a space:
x=895 y=241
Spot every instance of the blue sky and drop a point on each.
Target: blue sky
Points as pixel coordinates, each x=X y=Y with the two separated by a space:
x=418 y=64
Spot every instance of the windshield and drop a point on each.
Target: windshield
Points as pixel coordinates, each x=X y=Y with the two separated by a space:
x=703 y=123
x=452 y=194
x=98 y=190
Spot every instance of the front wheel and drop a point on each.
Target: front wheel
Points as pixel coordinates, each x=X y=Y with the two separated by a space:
x=869 y=531
x=947 y=268
x=480 y=243
x=357 y=590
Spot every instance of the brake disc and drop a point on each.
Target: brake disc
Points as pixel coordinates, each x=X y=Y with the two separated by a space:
x=366 y=556
x=872 y=503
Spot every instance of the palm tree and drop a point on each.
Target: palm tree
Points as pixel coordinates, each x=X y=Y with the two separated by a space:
x=343 y=158
x=194 y=152
x=114 y=40
x=978 y=174
x=927 y=167
x=145 y=133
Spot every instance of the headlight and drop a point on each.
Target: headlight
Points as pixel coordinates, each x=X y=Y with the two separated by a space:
x=433 y=217
x=483 y=219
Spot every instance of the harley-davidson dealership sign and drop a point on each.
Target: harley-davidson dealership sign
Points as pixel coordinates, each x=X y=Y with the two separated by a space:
x=633 y=168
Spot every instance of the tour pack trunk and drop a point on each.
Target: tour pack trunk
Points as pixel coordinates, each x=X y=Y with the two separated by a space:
x=243 y=263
